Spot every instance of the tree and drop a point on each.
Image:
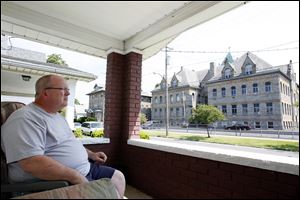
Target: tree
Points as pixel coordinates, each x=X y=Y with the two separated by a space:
x=56 y=59
x=143 y=118
x=76 y=101
x=206 y=114
x=296 y=104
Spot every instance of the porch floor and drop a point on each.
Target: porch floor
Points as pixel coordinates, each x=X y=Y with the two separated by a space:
x=133 y=193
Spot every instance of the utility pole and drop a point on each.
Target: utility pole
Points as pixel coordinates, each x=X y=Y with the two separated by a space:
x=167 y=95
x=183 y=103
x=167 y=99
x=166 y=89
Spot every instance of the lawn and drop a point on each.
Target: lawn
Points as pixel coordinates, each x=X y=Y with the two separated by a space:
x=278 y=144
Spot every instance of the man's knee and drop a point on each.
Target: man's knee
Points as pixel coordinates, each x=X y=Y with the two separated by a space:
x=118 y=179
x=118 y=176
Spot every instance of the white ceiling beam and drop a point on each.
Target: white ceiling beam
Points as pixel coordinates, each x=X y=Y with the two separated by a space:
x=191 y=15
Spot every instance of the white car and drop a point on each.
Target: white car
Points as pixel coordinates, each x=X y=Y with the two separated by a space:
x=150 y=125
x=76 y=126
x=89 y=127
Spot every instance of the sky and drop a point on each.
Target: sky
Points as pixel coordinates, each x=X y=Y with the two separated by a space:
x=269 y=30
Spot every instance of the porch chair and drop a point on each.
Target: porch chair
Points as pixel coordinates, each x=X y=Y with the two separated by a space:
x=9 y=190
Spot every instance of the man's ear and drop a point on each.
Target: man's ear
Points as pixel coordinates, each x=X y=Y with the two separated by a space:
x=45 y=93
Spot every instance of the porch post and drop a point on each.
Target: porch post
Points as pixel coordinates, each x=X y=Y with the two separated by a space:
x=122 y=100
x=132 y=95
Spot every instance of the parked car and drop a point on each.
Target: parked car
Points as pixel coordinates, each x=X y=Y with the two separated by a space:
x=76 y=126
x=88 y=127
x=184 y=125
x=150 y=125
x=238 y=127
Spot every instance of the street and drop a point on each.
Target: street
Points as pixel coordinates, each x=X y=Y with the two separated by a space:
x=281 y=134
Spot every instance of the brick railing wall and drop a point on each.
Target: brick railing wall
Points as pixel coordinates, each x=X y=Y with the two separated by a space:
x=169 y=175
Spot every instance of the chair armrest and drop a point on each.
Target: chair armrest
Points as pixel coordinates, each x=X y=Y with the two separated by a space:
x=33 y=187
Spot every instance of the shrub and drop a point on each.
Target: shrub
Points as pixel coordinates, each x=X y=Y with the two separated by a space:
x=78 y=133
x=81 y=119
x=144 y=135
x=98 y=133
x=91 y=119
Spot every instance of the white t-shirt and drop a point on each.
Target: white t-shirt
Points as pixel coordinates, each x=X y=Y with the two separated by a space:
x=31 y=131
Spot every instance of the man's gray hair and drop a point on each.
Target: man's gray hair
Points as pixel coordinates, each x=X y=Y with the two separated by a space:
x=41 y=84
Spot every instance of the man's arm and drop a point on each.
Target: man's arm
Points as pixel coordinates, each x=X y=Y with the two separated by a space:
x=46 y=168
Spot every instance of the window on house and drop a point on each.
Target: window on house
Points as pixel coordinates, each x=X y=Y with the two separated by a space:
x=177 y=112
x=256 y=108
x=233 y=109
x=163 y=85
x=223 y=92
x=257 y=124
x=255 y=88
x=244 y=89
x=174 y=83
x=245 y=109
x=171 y=98
x=269 y=108
x=160 y=99
x=227 y=73
x=177 y=97
x=270 y=125
x=214 y=92
x=233 y=91
x=268 y=86
x=248 y=69
x=224 y=109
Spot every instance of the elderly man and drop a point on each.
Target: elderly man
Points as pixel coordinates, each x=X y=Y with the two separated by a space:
x=39 y=144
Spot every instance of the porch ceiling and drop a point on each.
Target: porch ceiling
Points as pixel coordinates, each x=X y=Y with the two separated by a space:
x=99 y=27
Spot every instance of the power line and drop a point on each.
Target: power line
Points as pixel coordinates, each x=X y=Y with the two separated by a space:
x=224 y=52
x=281 y=44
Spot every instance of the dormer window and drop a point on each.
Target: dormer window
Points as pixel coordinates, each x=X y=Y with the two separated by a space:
x=248 y=69
x=227 y=73
x=163 y=85
x=174 y=83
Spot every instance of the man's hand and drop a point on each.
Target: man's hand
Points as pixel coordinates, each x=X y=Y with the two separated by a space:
x=98 y=157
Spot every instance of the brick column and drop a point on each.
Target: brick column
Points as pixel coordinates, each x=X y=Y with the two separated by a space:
x=132 y=94
x=122 y=100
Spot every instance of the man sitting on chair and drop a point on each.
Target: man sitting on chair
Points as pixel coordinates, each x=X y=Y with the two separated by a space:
x=39 y=144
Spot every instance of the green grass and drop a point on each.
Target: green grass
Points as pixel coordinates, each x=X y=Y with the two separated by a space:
x=278 y=144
